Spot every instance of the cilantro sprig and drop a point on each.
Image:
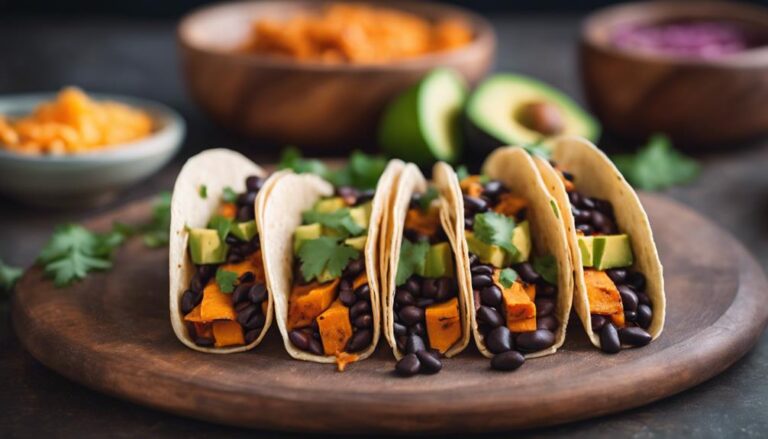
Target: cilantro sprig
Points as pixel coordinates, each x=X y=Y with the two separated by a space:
x=546 y=266
x=425 y=200
x=413 y=257
x=657 y=165
x=362 y=170
x=325 y=253
x=226 y=280
x=8 y=277
x=222 y=225
x=507 y=277
x=228 y=195
x=339 y=220
x=154 y=233
x=495 y=229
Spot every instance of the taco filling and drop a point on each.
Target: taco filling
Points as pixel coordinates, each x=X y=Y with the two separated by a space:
x=621 y=312
x=329 y=309
x=515 y=294
x=426 y=311
x=226 y=301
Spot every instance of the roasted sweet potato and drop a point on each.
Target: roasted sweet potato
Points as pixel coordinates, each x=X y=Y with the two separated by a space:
x=519 y=308
x=510 y=205
x=305 y=305
x=471 y=186
x=604 y=297
x=530 y=290
x=443 y=324
x=426 y=223
x=360 y=280
x=227 y=210
x=253 y=264
x=194 y=315
x=227 y=333
x=335 y=328
x=216 y=305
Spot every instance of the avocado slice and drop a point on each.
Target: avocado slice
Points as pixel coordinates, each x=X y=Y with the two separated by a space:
x=508 y=109
x=357 y=242
x=325 y=276
x=611 y=251
x=586 y=246
x=361 y=214
x=306 y=233
x=422 y=124
x=244 y=230
x=206 y=247
x=487 y=253
x=328 y=205
x=521 y=239
x=439 y=261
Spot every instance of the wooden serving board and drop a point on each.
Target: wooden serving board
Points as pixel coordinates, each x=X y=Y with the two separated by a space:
x=112 y=333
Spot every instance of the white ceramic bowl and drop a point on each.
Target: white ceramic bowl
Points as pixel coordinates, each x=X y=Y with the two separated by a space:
x=93 y=177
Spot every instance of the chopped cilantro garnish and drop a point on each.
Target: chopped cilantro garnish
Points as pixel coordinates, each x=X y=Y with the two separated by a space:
x=546 y=266
x=507 y=277
x=339 y=220
x=657 y=165
x=291 y=159
x=226 y=280
x=325 y=253
x=229 y=195
x=362 y=170
x=495 y=229
x=8 y=277
x=425 y=200
x=413 y=257
x=203 y=191
x=222 y=225
x=462 y=172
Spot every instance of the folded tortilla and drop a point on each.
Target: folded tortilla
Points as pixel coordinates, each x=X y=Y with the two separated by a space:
x=515 y=169
x=596 y=176
x=215 y=169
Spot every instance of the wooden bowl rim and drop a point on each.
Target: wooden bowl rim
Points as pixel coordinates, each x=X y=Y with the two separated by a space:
x=485 y=38
x=607 y=17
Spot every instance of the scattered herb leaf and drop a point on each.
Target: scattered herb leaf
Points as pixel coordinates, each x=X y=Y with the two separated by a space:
x=413 y=257
x=226 y=280
x=339 y=220
x=657 y=165
x=222 y=225
x=229 y=195
x=495 y=229
x=546 y=266
x=8 y=277
x=507 y=277
x=325 y=253
x=156 y=233
x=425 y=200
x=362 y=170
x=203 y=191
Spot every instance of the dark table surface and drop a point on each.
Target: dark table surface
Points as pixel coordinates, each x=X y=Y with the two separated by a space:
x=138 y=58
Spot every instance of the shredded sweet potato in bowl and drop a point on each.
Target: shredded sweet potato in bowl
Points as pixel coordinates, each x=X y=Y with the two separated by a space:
x=73 y=123
x=347 y=33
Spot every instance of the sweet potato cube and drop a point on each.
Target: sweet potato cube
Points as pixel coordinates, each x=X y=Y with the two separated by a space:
x=530 y=290
x=216 y=305
x=305 y=304
x=228 y=210
x=426 y=223
x=227 y=333
x=335 y=328
x=525 y=325
x=519 y=308
x=443 y=324
x=253 y=264
x=360 y=280
x=194 y=315
x=510 y=205
x=604 y=297
x=618 y=319
x=471 y=186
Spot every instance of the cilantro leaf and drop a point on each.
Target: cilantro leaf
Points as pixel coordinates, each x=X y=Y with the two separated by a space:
x=8 y=277
x=462 y=172
x=507 y=277
x=657 y=165
x=425 y=199
x=73 y=251
x=495 y=229
x=229 y=195
x=156 y=232
x=538 y=149
x=203 y=191
x=291 y=159
x=325 y=253
x=362 y=170
x=546 y=266
x=222 y=225
x=413 y=257
x=339 y=220
x=226 y=280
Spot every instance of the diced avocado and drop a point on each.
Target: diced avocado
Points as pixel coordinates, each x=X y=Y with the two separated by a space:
x=586 y=246
x=488 y=253
x=361 y=214
x=612 y=251
x=328 y=205
x=205 y=247
x=439 y=261
x=245 y=230
x=508 y=109
x=306 y=233
x=521 y=239
x=357 y=242
x=325 y=276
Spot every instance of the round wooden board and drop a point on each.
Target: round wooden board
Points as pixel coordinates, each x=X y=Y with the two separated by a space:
x=112 y=333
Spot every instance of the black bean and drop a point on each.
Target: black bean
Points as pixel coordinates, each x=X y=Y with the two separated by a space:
x=242 y=306
x=493 y=188
x=630 y=316
x=254 y=183
x=414 y=343
x=424 y=302
x=257 y=293
x=346 y=284
x=409 y=365
x=246 y=198
x=547 y=322
x=256 y=321
x=644 y=316
x=469 y=223
x=636 y=280
x=363 y=292
x=400 y=341
x=481 y=280
x=414 y=235
x=527 y=273
x=581 y=216
x=430 y=362
x=196 y=284
x=348 y=193
x=410 y=315
x=628 y=297
x=499 y=340
x=429 y=288
x=234 y=258
x=252 y=335
x=354 y=268
x=482 y=269
x=413 y=285
x=245 y=314
x=189 y=300
x=545 y=289
x=545 y=306
x=489 y=316
x=400 y=329
x=361 y=307
x=535 y=340
x=365 y=195
x=604 y=207
x=232 y=240
x=586 y=229
x=347 y=297
x=204 y=341
x=316 y=335
x=446 y=288
x=643 y=299
x=246 y=213
x=418 y=329
x=617 y=275
x=598 y=322
x=300 y=339
x=360 y=340
x=205 y=272
x=315 y=346
x=574 y=197
x=603 y=223
x=634 y=336
x=587 y=203
x=404 y=297
x=247 y=277
x=475 y=204
x=473 y=261
x=609 y=339
x=507 y=361
x=490 y=296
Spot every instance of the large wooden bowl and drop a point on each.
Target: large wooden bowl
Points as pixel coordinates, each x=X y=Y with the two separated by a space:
x=334 y=107
x=696 y=102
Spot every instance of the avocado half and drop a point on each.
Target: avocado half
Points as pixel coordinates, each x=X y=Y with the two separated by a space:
x=493 y=113
x=423 y=123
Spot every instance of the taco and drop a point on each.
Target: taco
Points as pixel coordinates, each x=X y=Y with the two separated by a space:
x=321 y=247
x=619 y=283
x=424 y=307
x=218 y=297
x=514 y=256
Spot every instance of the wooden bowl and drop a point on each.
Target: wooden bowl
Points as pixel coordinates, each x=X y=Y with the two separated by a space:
x=698 y=102
x=335 y=107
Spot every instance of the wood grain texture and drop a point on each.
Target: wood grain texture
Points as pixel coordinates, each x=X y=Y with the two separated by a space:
x=697 y=102
x=111 y=333
x=308 y=103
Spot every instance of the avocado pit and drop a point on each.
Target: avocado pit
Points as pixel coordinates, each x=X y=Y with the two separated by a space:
x=542 y=117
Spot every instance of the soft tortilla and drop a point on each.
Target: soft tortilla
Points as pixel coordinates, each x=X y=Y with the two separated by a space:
x=515 y=169
x=215 y=169
x=412 y=181
x=596 y=176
